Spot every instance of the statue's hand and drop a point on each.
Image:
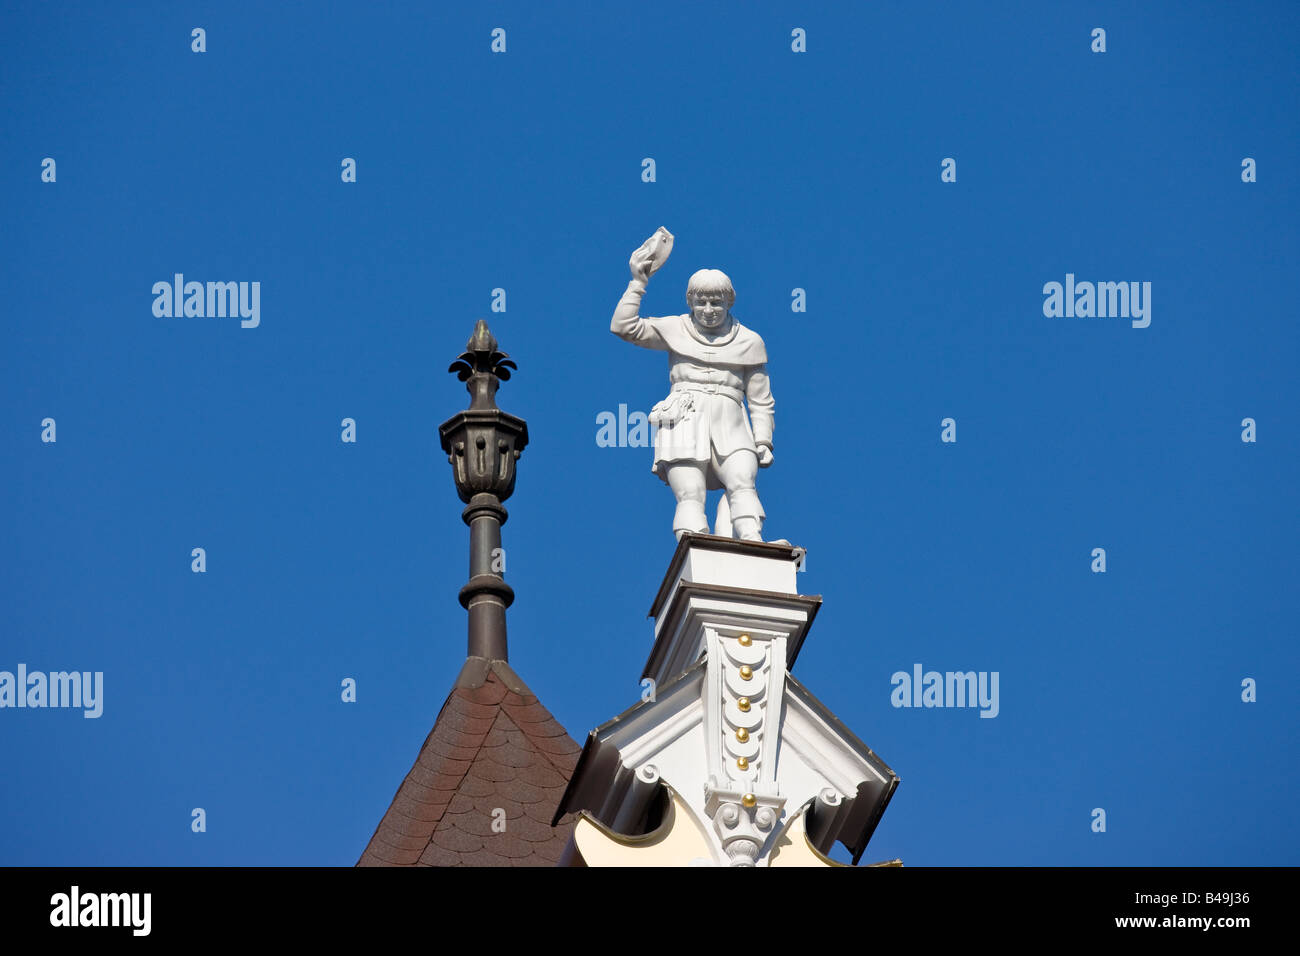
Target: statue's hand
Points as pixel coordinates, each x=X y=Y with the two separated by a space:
x=640 y=264
x=765 y=457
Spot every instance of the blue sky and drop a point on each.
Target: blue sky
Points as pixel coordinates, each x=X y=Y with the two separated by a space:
x=522 y=171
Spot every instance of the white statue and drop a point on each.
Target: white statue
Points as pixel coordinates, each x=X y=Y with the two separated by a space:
x=704 y=438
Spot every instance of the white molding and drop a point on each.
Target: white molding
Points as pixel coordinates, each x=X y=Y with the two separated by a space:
x=690 y=738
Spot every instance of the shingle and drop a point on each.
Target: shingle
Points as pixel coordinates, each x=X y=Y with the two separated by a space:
x=557 y=746
x=478 y=787
x=438 y=745
x=384 y=855
x=453 y=718
x=441 y=764
x=500 y=736
x=533 y=713
x=521 y=791
x=478 y=821
x=435 y=855
x=538 y=812
x=542 y=775
x=452 y=838
x=491 y=692
x=463 y=802
x=422 y=777
x=488 y=858
x=521 y=754
x=458 y=739
x=508 y=845
x=413 y=790
x=485 y=768
x=394 y=831
x=466 y=705
x=442 y=781
x=425 y=812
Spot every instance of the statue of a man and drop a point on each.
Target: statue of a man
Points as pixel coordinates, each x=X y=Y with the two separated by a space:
x=704 y=438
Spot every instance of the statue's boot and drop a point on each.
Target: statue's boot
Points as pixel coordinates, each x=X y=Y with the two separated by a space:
x=690 y=516
x=746 y=514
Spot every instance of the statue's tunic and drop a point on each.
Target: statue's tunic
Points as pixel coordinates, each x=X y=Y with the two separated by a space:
x=702 y=419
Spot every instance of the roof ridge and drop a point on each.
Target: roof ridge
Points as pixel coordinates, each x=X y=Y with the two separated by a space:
x=507 y=707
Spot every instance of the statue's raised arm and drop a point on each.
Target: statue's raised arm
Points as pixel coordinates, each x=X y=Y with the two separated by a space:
x=627 y=323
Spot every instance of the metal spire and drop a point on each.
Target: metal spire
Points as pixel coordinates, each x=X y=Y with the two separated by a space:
x=482 y=444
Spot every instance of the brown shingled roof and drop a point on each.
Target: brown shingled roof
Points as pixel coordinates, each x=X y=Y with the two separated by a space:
x=493 y=746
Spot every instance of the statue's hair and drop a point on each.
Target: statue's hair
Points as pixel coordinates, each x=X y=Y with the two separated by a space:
x=710 y=280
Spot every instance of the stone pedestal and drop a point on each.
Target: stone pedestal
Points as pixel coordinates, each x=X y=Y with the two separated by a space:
x=726 y=586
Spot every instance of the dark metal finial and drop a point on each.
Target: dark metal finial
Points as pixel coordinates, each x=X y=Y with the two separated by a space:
x=483 y=445
x=480 y=366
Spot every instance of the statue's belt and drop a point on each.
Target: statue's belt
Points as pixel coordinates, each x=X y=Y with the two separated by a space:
x=680 y=403
x=711 y=388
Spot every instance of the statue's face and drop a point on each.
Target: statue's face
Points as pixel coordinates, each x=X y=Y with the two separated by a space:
x=709 y=310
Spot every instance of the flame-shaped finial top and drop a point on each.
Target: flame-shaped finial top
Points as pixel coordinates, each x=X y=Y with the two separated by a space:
x=482 y=367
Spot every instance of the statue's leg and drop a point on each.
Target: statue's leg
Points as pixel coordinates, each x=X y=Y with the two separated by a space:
x=686 y=479
x=738 y=474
